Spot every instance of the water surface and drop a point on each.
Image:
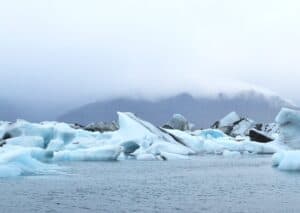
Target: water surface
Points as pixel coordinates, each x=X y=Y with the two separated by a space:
x=203 y=184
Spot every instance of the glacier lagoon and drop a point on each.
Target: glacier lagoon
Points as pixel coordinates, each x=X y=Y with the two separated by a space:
x=205 y=183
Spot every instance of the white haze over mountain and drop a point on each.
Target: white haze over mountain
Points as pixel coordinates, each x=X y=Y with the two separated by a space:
x=57 y=52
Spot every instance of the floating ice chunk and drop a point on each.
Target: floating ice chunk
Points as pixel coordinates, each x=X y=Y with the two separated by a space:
x=215 y=142
x=233 y=125
x=15 y=162
x=172 y=156
x=49 y=131
x=179 y=122
x=219 y=145
x=133 y=128
x=289 y=125
x=146 y=157
x=259 y=148
x=242 y=127
x=106 y=153
x=10 y=170
x=287 y=160
x=162 y=146
x=234 y=154
x=229 y=119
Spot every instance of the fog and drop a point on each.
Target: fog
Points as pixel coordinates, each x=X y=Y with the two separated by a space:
x=71 y=52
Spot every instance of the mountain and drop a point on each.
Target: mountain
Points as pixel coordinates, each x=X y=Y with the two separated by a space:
x=202 y=111
x=11 y=110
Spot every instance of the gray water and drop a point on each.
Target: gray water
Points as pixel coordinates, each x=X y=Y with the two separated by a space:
x=204 y=184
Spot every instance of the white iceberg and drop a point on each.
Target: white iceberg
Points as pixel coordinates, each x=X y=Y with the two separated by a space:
x=289 y=126
x=289 y=135
x=107 y=153
x=132 y=128
x=147 y=157
x=34 y=144
x=15 y=162
x=287 y=160
x=231 y=154
x=193 y=142
x=234 y=125
x=161 y=146
x=229 y=119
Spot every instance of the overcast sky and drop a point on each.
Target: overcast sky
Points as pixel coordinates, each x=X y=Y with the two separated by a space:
x=92 y=49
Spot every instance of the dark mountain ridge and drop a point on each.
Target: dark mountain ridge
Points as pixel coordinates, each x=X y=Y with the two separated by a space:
x=202 y=111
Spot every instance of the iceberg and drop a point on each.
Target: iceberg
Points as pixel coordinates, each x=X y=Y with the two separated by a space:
x=232 y=154
x=131 y=128
x=178 y=122
x=287 y=160
x=15 y=162
x=147 y=157
x=213 y=141
x=289 y=127
x=149 y=138
x=162 y=146
x=229 y=119
x=193 y=142
x=172 y=156
x=28 y=148
x=53 y=141
x=107 y=153
x=288 y=121
x=234 y=125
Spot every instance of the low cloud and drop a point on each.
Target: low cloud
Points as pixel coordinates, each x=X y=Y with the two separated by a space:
x=74 y=51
